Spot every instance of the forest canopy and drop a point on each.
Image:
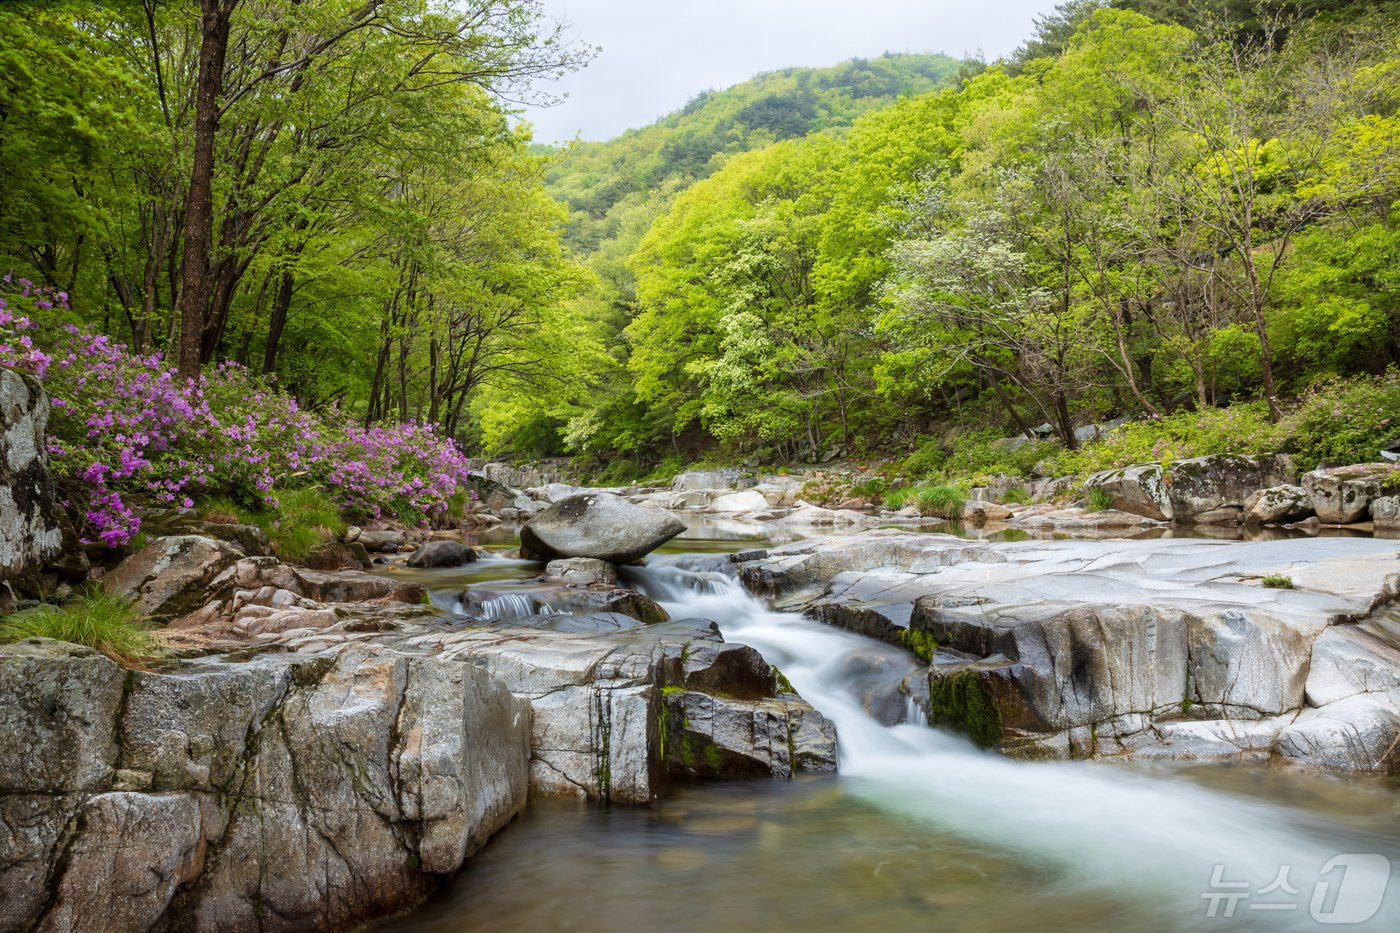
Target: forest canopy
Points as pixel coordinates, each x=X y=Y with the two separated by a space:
x=1150 y=208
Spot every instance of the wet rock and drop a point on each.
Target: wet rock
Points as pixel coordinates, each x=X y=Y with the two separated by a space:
x=598 y=525
x=716 y=736
x=737 y=671
x=442 y=554
x=1342 y=495
x=1276 y=505
x=582 y=571
x=29 y=517
x=167 y=578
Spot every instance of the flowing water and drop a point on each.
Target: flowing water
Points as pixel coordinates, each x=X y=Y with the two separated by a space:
x=921 y=830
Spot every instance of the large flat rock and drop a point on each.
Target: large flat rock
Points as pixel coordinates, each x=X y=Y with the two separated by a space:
x=1095 y=647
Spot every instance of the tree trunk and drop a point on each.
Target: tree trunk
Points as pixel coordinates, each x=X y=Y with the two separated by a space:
x=277 y=321
x=199 y=199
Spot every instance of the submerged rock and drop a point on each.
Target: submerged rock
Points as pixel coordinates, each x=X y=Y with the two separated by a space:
x=598 y=525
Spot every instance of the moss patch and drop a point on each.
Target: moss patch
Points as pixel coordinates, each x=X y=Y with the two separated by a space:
x=920 y=642
x=959 y=700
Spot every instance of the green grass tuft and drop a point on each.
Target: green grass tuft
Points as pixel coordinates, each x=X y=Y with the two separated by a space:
x=1278 y=581
x=1098 y=500
x=304 y=520
x=94 y=619
x=941 y=501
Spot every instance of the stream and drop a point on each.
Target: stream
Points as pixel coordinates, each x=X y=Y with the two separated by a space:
x=920 y=829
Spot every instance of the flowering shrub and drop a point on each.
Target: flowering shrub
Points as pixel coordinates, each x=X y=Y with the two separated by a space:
x=1240 y=429
x=127 y=431
x=1345 y=420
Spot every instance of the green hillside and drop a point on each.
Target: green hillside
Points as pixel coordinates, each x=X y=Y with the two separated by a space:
x=593 y=178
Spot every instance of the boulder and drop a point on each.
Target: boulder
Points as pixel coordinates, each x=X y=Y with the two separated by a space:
x=1342 y=495
x=1139 y=490
x=747 y=501
x=1358 y=733
x=598 y=525
x=364 y=772
x=731 y=478
x=29 y=517
x=382 y=542
x=1212 y=489
x=1276 y=505
x=715 y=736
x=1208 y=490
x=980 y=512
x=1385 y=512
x=582 y=571
x=167 y=578
x=442 y=554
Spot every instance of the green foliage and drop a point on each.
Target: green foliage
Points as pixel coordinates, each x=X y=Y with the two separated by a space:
x=1277 y=581
x=920 y=642
x=93 y=619
x=940 y=501
x=1098 y=500
x=1240 y=429
x=1345 y=421
x=301 y=521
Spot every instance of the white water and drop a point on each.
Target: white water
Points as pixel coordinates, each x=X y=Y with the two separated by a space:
x=1094 y=827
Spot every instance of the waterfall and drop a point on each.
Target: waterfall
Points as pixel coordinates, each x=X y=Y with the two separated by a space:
x=1097 y=826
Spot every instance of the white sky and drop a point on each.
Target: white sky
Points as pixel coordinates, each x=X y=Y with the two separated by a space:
x=658 y=54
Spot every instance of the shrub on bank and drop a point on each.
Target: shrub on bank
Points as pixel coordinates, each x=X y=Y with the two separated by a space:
x=93 y=619
x=126 y=431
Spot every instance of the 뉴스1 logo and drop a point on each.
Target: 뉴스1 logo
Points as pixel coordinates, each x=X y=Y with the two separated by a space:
x=1349 y=889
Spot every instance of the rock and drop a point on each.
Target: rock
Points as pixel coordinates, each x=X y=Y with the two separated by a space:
x=442 y=554
x=167 y=578
x=980 y=512
x=1139 y=490
x=598 y=525
x=382 y=542
x=259 y=787
x=731 y=478
x=629 y=603
x=1201 y=489
x=747 y=501
x=29 y=517
x=721 y=737
x=1359 y=733
x=582 y=571
x=1212 y=490
x=1385 y=512
x=250 y=539
x=1080 y=648
x=1076 y=519
x=1342 y=495
x=815 y=516
x=1276 y=505
x=337 y=555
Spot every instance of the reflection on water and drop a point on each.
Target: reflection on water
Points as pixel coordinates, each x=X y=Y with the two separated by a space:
x=813 y=854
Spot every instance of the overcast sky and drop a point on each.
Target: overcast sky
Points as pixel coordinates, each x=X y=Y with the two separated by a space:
x=658 y=54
